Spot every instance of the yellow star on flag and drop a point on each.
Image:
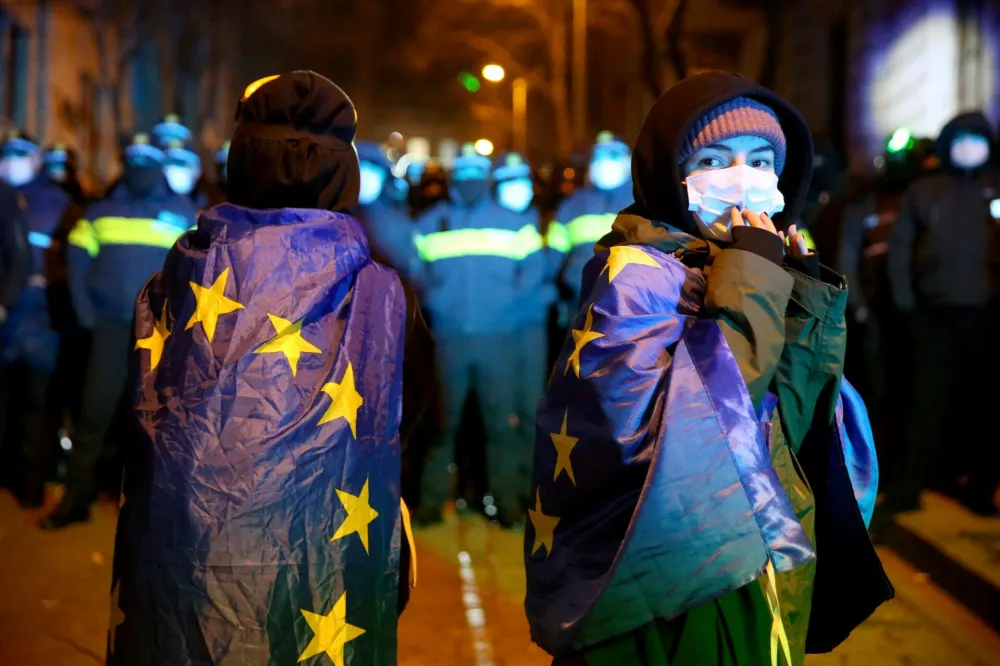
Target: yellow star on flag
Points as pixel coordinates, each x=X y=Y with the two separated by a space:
x=545 y=526
x=330 y=632
x=564 y=447
x=212 y=304
x=359 y=515
x=623 y=255
x=288 y=341
x=117 y=616
x=580 y=339
x=346 y=401
x=154 y=343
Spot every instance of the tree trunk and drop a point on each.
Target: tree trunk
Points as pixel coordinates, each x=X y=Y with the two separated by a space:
x=650 y=49
x=559 y=93
x=772 y=18
x=675 y=32
x=165 y=55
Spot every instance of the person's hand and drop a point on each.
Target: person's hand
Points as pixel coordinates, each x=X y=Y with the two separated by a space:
x=796 y=243
x=748 y=218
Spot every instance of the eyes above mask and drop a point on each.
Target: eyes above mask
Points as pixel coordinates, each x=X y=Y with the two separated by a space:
x=970 y=152
x=608 y=174
x=515 y=195
x=17 y=171
x=372 y=183
x=180 y=179
x=713 y=194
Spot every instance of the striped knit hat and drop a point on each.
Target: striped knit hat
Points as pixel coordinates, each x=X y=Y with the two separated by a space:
x=738 y=117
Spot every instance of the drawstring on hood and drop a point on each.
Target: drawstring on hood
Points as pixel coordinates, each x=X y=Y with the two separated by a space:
x=656 y=172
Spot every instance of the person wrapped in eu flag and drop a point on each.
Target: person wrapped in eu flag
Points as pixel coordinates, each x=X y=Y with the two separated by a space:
x=261 y=520
x=703 y=476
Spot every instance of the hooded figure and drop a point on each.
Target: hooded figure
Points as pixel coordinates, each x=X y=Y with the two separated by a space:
x=476 y=263
x=694 y=407
x=390 y=231
x=271 y=328
x=586 y=215
x=120 y=241
x=944 y=266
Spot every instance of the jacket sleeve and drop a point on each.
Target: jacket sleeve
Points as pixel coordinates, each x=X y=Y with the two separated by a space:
x=904 y=234
x=812 y=362
x=16 y=254
x=748 y=292
x=83 y=246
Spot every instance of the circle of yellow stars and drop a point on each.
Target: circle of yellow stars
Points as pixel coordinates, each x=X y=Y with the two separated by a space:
x=619 y=257
x=331 y=632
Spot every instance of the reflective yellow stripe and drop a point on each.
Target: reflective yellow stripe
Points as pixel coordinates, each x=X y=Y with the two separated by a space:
x=557 y=237
x=590 y=228
x=514 y=245
x=136 y=231
x=408 y=529
x=84 y=237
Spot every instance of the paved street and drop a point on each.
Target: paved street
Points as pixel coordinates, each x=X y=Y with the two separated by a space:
x=465 y=611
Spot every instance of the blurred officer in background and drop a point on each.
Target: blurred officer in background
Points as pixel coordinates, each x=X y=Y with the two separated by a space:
x=30 y=344
x=121 y=241
x=474 y=253
x=940 y=269
x=585 y=216
x=390 y=232
x=181 y=163
x=61 y=167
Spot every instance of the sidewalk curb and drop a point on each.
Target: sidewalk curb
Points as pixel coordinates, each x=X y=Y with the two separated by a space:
x=974 y=592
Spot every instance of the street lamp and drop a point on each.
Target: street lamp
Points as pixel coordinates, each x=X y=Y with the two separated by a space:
x=484 y=147
x=493 y=73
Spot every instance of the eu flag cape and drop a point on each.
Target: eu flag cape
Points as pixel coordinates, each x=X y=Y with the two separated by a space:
x=654 y=490
x=261 y=505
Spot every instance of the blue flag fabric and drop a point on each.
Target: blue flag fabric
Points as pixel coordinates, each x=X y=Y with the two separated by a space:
x=261 y=505
x=653 y=486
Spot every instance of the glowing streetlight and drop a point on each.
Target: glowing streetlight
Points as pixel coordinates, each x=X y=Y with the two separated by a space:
x=493 y=73
x=484 y=147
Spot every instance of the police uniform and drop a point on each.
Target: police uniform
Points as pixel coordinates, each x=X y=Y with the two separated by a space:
x=475 y=267
x=28 y=343
x=586 y=216
x=122 y=240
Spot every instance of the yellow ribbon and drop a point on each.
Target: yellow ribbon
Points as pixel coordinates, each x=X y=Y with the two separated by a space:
x=778 y=634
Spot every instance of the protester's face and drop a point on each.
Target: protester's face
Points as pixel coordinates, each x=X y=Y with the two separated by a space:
x=751 y=151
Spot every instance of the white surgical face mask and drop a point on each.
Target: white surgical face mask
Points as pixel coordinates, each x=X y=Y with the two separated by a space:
x=713 y=194
x=608 y=174
x=179 y=178
x=372 y=182
x=970 y=152
x=515 y=195
x=17 y=171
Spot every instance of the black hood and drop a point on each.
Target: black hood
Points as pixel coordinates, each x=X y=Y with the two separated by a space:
x=656 y=175
x=293 y=146
x=973 y=122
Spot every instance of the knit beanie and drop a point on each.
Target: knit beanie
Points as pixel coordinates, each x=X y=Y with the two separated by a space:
x=738 y=117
